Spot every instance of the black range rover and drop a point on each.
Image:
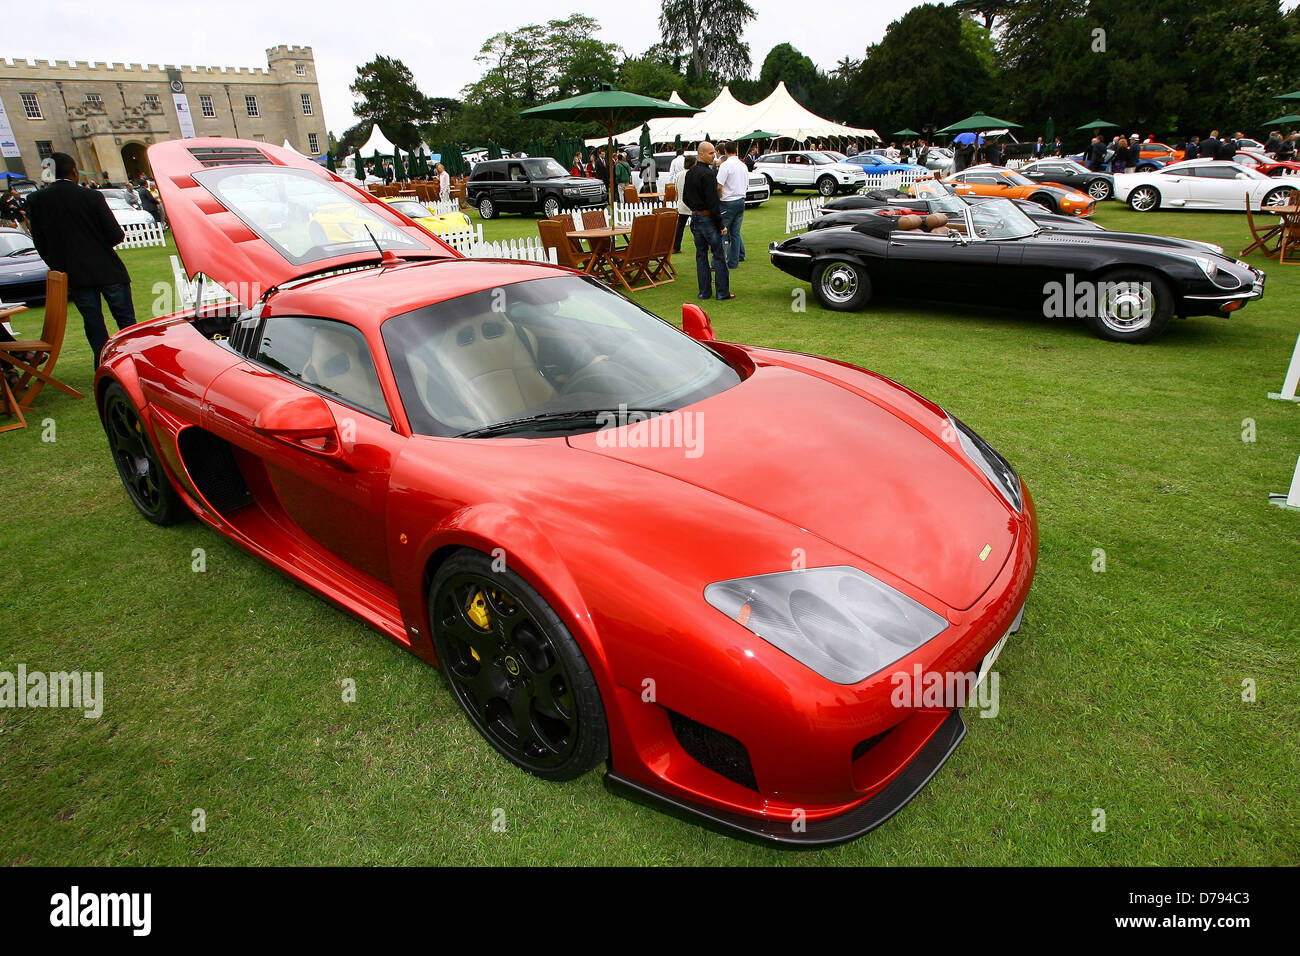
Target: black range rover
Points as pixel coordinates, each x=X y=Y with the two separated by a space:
x=531 y=186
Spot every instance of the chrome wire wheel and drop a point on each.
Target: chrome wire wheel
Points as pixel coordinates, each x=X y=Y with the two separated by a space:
x=839 y=283
x=1127 y=306
x=1144 y=199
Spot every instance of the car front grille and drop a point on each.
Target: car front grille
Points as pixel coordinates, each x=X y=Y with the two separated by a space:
x=721 y=753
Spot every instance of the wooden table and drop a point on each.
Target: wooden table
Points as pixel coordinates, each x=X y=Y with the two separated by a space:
x=600 y=260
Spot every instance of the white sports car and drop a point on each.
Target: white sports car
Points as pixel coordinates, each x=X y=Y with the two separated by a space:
x=1203 y=184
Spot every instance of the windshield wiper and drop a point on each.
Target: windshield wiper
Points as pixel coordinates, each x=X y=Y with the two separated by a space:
x=618 y=415
x=19 y=252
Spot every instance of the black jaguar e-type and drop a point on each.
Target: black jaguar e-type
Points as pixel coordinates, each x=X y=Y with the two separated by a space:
x=848 y=210
x=1126 y=286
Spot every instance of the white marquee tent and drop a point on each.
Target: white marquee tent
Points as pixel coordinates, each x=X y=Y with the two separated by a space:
x=726 y=118
x=377 y=143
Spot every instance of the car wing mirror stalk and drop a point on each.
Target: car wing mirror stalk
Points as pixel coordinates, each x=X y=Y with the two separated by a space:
x=306 y=423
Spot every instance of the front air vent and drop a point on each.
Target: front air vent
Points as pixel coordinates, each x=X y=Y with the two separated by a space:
x=721 y=753
x=209 y=156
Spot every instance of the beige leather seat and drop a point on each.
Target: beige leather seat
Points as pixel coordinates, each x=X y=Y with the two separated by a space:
x=937 y=224
x=492 y=369
x=336 y=364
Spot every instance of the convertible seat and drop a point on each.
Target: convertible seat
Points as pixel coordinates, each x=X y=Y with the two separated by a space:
x=336 y=366
x=492 y=369
x=909 y=223
x=937 y=224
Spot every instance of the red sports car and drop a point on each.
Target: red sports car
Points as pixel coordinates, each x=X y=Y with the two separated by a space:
x=1266 y=164
x=703 y=564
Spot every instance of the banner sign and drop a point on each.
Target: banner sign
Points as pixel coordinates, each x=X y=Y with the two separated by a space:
x=8 y=142
x=182 y=104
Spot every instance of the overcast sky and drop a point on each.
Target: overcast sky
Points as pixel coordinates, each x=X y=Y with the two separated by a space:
x=437 y=41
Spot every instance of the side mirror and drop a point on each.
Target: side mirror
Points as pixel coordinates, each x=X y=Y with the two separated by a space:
x=695 y=323
x=306 y=423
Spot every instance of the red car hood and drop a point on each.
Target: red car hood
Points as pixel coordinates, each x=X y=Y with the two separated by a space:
x=843 y=468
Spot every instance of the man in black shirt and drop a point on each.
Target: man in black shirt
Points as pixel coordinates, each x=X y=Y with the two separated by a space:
x=75 y=232
x=700 y=193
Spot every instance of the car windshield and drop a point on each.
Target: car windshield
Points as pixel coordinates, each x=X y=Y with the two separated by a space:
x=303 y=217
x=1017 y=180
x=115 y=203
x=544 y=169
x=819 y=159
x=487 y=362
x=1000 y=219
x=412 y=209
x=866 y=159
x=14 y=242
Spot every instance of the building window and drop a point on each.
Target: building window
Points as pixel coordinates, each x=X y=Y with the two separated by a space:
x=44 y=149
x=306 y=104
x=250 y=102
x=205 y=104
x=313 y=143
x=151 y=100
x=300 y=69
x=94 y=99
x=31 y=105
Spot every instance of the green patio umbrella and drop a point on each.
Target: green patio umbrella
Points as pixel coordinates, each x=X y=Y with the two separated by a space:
x=1097 y=124
x=645 y=144
x=494 y=151
x=757 y=134
x=905 y=132
x=611 y=109
x=329 y=163
x=399 y=173
x=1282 y=120
x=1289 y=96
x=1049 y=131
x=379 y=165
x=978 y=123
x=677 y=142
x=360 y=165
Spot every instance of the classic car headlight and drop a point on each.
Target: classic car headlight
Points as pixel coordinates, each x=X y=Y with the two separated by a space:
x=841 y=622
x=1208 y=266
x=995 y=467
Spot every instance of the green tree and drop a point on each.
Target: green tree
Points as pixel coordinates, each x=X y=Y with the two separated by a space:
x=710 y=31
x=902 y=82
x=385 y=93
x=541 y=62
x=784 y=63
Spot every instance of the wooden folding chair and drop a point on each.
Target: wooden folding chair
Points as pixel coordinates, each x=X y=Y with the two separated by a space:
x=593 y=219
x=567 y=251
x=1290 y=237
x=661 y=260
x=670 y=193
x=633 y=262
x=1263 y=239
x=35 y=358
x=630 y=194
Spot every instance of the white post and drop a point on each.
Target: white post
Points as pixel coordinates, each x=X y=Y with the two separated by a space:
x=1292 y=380
x=1291 y=500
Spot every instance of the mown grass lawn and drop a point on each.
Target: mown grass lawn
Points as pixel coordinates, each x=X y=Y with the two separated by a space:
x=1123 y=691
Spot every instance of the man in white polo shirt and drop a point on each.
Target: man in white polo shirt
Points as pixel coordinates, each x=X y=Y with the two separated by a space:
x=733 y=180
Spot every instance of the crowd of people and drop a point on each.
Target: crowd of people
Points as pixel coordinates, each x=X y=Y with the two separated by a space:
x=13 y=207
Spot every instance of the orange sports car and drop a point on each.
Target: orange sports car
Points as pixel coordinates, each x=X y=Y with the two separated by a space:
x=1166 y=154
x=985 y=180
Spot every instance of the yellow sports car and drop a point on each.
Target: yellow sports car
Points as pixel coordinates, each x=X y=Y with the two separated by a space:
x=412 y=209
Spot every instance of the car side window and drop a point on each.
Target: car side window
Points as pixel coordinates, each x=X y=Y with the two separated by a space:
x=327 y=355
x=983 y=180
x=516 y=173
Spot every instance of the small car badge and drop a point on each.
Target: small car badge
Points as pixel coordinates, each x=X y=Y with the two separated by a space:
x=984 y=555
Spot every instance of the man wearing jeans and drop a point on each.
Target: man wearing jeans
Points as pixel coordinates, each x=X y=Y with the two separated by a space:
x=74 y=232
x=700 y=193
x=733 y=180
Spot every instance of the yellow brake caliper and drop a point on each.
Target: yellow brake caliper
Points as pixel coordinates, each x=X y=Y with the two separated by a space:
x=479 y=615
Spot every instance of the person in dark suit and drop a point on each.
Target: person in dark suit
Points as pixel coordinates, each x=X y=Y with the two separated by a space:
x=75 y=232
x=1210 y=145
x=147 y=202
x=1193 y=148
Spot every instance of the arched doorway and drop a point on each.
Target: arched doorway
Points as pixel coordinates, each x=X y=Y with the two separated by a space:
x=134 y=161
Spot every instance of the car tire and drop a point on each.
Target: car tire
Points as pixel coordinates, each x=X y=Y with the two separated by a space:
x=550 y=207
x=137 y=460
x=786 y=190
x=1144 y=199
x=1120 y=292
x=827 y=186
x=841 y=286
x=1045 y=199
x=1280 y=171
x=487 y=209
x=771 y=186
x=1276 y=197
x=1099 y=190
x=509 y=658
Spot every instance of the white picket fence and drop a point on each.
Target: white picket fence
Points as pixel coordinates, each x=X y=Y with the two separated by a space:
x=187 y=290
x=141 y=234
x=529 y=249
x=624 y=212
x=463 y=239
x=441 y=207
x=800 y=212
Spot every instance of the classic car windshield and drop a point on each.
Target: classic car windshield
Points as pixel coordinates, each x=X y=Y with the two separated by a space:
x=303 y=217
x=543 y=347
x=544 y=169
x=1000 y=219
